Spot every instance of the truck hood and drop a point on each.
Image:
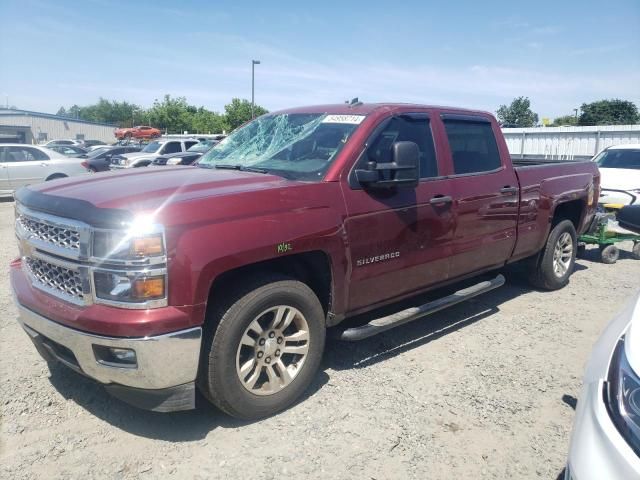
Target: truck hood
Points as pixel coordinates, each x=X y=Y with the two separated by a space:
x=156 y=191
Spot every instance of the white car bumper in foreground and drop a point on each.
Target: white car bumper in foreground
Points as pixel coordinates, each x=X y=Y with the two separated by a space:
x=598 y=451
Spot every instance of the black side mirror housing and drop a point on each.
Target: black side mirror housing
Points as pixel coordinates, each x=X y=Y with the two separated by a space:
x=402 y=171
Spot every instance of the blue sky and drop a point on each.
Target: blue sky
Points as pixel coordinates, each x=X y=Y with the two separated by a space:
x=476 y=54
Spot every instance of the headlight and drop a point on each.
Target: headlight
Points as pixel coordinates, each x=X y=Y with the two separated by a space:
x=622 y=397
x=129 y=287
x=142 y=240
x=131 y=265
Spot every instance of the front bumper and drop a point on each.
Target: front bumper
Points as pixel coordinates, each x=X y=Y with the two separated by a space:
x=162 y=379
x=597 y=449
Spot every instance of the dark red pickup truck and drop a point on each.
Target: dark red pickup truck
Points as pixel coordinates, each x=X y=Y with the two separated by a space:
x=225 y=276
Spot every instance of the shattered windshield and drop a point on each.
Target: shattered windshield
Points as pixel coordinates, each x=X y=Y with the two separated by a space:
x=298 y=146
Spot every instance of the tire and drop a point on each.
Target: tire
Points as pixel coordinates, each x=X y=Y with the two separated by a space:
x=546 y=274
x=609 y=254
x=636 y=251
x=258 y=391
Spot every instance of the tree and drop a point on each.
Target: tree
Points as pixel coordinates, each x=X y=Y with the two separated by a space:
x=62 y=112
x=239 y=111
x=74 y=111
x=565 y=120
x=518 y=114
x=609 y=112
x=173 y=115
x=205 y=121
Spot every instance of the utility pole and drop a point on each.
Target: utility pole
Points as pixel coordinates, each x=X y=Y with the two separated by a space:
x=253 y=74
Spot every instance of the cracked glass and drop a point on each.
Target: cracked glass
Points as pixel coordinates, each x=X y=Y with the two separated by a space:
x=298 y=146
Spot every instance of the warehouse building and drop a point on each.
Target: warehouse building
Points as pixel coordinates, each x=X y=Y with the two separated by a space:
x=22 y=126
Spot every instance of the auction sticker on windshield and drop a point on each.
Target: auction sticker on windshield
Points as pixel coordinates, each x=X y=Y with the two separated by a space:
x=350 y=119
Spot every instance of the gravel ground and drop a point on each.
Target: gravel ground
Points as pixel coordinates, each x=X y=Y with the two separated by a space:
x=483 y=390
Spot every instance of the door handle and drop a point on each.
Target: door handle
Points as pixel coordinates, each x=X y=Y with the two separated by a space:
x=509 y=190
x=441 y=200
x=43 y=164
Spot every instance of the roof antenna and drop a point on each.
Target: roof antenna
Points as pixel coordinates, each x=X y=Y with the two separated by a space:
x=354 y=102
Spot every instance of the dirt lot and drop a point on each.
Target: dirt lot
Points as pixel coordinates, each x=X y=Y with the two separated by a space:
x=483 y=390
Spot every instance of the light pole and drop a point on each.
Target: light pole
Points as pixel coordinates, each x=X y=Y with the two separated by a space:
x=253 y=74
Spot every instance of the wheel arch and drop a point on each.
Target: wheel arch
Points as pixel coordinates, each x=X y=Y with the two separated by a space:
x=572 y=210
x=54 y=176
x=312 y=268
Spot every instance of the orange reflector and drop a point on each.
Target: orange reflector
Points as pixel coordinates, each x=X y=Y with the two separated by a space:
x=149 y=287
x=147 y=246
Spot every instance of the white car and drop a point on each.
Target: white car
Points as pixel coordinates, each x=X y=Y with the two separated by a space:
x=149 y=153
x=620 y=170
x=76 y=143
x=22 y=165
x=605 y=443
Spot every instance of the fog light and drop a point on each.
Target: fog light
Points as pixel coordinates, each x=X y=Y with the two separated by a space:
x=146 y=288
x=115 y=357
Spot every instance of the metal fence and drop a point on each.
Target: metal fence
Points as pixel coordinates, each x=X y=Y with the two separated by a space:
x=567 y=143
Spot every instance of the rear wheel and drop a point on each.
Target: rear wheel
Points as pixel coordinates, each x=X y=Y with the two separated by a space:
x=554 y=265
x=265 y=350
x=636 y=251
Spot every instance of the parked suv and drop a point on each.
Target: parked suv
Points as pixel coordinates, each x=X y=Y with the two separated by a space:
x=22 y=165
x=149 y=153
x=188 y=157
x=99 y=160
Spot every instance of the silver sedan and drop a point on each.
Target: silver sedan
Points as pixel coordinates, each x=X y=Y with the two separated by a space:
x=22 y=165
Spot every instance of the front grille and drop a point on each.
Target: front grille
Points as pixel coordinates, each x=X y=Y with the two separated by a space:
x=63 y=237
x=54 y=277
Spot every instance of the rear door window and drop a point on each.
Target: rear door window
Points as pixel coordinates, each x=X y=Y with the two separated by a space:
x=473 y=146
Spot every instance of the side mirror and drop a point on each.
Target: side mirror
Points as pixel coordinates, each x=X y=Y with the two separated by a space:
x=403 y=171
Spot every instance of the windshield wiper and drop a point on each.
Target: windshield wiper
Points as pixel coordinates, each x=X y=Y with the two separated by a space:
x=242 y=168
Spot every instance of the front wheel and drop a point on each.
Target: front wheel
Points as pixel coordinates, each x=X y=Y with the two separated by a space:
x=265 y=350
x=556 y=261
